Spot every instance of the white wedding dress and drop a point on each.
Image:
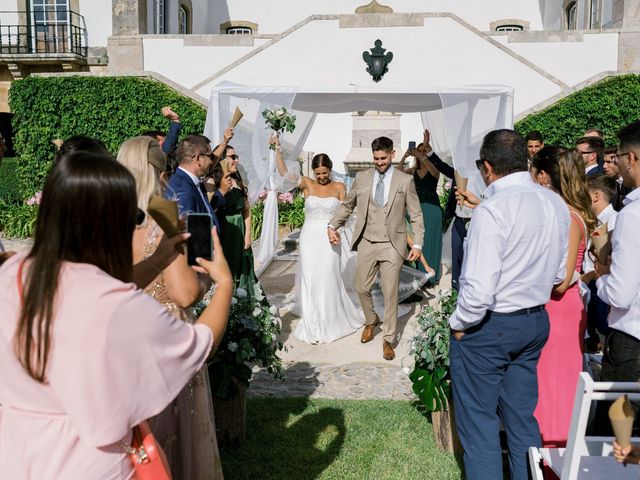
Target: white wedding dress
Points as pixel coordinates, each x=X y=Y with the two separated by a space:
x=325 y=296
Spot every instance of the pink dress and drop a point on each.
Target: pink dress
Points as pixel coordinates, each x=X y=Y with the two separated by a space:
x=117 y=357
x=561 y=358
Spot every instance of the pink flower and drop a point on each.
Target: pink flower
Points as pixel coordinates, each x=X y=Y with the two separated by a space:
x=447 y=186
x=263 y=194
x=35 y=200
x=286 y=197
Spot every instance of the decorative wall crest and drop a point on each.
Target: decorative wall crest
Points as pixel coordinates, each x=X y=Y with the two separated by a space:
x=377 y=61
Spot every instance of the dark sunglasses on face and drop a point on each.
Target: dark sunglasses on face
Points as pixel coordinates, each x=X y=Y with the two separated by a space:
x=233 y=157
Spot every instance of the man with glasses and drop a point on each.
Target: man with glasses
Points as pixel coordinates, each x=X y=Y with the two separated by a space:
x=592 y=150
x=513 y=256
x=610 y=166
x=194 y=158
x=619 y=282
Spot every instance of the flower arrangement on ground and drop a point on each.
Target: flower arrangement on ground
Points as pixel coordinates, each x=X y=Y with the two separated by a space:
x=279 y=120
x=250 y=338
x=430 y=348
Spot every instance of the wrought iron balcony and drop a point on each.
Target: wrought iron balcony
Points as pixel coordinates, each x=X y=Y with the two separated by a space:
x=43 y=31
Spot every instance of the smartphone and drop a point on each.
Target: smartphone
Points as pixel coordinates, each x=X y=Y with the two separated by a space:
x=200 y=243
x=412 y=145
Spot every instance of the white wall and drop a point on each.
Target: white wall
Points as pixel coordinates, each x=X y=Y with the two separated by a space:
x=274 y=16
x=98 y=19
x=571 y=62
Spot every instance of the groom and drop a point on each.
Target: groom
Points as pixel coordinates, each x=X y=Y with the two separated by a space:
x=383 y=196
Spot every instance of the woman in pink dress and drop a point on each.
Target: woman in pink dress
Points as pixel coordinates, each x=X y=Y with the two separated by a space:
x=561 y=358
x=85 y=355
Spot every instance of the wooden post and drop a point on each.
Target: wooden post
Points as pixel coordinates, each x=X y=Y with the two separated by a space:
x=231 y=418
x=444 y=430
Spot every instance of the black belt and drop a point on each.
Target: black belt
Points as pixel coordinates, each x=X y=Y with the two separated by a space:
x=523 y=311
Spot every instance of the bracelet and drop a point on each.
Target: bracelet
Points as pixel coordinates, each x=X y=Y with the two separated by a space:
x=155 y=268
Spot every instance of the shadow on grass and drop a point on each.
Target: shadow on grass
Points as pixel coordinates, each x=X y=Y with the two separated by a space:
x=295 y=440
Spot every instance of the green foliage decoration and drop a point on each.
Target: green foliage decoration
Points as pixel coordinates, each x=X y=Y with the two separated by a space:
x=18 y=220
x=430 y=349
x=608 y=105
x=111 y=109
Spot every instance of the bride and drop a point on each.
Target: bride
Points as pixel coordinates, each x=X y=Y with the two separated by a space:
x=325 y=297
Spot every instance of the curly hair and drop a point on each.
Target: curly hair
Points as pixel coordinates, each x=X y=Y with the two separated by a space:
x=574 y=188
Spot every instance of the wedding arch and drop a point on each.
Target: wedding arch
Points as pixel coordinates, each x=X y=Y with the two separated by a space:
x=458 y=118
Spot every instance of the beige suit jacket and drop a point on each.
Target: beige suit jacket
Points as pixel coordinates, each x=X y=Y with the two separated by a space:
x=402 y=199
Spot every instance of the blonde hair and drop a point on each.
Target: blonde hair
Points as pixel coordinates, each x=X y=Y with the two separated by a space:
x=139 y=155
x=574 y=187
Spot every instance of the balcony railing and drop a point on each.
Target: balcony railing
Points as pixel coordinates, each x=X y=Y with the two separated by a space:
x=48 y=31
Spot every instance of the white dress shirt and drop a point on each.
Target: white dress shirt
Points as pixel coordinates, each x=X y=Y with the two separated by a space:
x=589 y=168
x=621 y=287
x=608 y=216
x=515 y=251
x=386 y=180
x=197 y=183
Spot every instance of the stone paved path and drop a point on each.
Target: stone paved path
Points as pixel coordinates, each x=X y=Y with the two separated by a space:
x=356 y=381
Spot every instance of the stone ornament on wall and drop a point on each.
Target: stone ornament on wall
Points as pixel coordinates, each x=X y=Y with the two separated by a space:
x=374 y=7
x=377 y=61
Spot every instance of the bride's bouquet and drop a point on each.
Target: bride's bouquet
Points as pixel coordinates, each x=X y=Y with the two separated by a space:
x=279 y=120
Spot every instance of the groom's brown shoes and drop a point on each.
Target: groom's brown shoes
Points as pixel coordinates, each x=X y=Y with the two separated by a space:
x=367 y=332
x=387 y=351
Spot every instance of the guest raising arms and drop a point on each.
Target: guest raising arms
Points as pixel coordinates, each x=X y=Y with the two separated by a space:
x=425 y=176
x=185 y=428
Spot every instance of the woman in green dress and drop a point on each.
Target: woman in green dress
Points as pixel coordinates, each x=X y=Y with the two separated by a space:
x=425 y=176
x=235 y=223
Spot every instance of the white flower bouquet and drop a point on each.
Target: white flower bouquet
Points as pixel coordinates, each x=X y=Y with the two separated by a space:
x=279 y=120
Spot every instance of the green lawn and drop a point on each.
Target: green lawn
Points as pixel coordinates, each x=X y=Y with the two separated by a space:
x=306 y=439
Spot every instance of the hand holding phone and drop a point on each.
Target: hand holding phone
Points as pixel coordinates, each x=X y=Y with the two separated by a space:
x=199 y=243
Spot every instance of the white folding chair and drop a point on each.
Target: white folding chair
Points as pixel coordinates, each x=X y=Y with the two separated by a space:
x=587 y=458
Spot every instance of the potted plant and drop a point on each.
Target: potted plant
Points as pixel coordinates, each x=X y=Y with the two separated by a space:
x=430 y=375
x=250 y=339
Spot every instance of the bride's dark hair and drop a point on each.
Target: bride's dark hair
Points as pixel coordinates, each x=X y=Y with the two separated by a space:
x=321 y=160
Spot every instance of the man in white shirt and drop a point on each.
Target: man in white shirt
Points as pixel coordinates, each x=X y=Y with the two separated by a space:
x=515 y=252
x=619 y=282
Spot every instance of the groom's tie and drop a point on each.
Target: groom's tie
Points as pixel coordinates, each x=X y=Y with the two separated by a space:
x=379 y=198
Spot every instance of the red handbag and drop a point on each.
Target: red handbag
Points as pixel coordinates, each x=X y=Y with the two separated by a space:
x=147 y=456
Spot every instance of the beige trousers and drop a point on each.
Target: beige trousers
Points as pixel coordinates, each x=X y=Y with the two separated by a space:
x=371 y=259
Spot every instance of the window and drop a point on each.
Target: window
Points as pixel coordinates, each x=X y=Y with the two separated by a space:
x=594 y=20
x=183 y=20
x=239 y=31
x=509 y=28
x=572 y=16
x=159 y=10
x=51 y=24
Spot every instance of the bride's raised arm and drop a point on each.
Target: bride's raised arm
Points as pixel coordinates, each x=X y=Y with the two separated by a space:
x=293 y=179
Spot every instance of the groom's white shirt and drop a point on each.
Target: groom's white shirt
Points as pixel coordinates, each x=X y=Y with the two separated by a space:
x=386 y=180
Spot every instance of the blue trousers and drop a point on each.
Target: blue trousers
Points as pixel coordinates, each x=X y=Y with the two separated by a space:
x=494 y=377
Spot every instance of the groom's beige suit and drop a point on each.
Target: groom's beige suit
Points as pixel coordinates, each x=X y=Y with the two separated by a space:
x=380 y=237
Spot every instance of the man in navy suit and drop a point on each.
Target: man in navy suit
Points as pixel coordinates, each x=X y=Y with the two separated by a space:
x=592 y=151
x=194 y=158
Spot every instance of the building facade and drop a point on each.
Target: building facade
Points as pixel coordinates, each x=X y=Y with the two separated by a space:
x=543 y=48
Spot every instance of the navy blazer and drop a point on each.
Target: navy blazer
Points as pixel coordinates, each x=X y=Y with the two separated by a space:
x=595 y=171
x=182 y=189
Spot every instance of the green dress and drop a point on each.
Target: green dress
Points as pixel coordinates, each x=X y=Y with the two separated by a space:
x=432 y=215
x=233 y=230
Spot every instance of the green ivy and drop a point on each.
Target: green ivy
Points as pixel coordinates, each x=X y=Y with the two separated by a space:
x=608 y=105
x=111 y=109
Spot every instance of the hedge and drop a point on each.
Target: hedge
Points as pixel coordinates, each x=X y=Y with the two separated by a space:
x=608 y=105
x=109 y=108
x=10 y=190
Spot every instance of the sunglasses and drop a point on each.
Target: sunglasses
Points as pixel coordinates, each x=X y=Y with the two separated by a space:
x=479 y=163
x=617 y=156
x=233 y=157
